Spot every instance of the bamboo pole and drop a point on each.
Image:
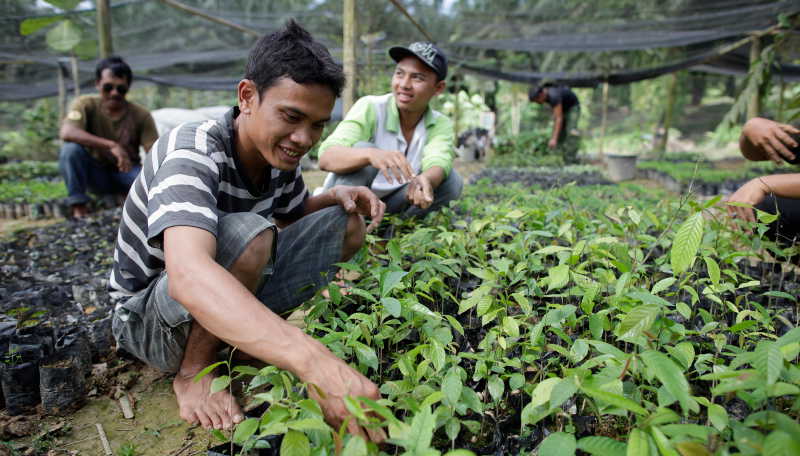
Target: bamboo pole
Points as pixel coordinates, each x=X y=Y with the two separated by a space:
x=668 y=110
x=105 y=47
x=62 y=91
x=349 y=54
x=603 y=121
x=754 y=105
x=75 y=76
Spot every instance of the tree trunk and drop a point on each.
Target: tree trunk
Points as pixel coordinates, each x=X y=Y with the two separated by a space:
x=754 y=105
x=105 y=47
x=349 y=54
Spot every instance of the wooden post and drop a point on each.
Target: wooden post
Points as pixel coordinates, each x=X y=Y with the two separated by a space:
x=62 y=91
x=349 y=54
x=668 y=109
x=456 y=107
x=754 y=105
x=603 y=121
x=76 y=80
x=516 y=110
x=105 y=47
x=782 y=101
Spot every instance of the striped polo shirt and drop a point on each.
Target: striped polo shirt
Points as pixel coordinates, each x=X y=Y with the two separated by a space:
x=192 y=177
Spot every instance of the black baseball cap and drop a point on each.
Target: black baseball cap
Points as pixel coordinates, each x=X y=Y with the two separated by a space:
x=425 y=51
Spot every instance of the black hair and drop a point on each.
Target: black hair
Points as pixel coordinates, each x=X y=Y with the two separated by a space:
x=117 y=66
x=536 y=90
x=292 y=52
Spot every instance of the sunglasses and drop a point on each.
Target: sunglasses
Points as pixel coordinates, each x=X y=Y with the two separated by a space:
x=121 y=89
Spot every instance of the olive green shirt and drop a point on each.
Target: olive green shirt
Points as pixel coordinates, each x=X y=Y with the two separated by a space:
x=134 y=128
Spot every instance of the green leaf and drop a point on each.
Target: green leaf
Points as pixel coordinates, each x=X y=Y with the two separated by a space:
x=562 y=391
x=244 y=430
x=459 y=453
x=779 y=443
x=496 y=387
x=713 y=269
x=602 y=446
x=64 y=4
x=662 y=285
x=295 y=443
x=578 y=351
x=207 y=371
x=220 y=383
x=557 y=277
x=551 y=249
x=219 y=435
x=541 y=394
x=452 y=387
x=64 y=36
x=392 y=306
x=558 y=444
x=614 y=399
x=692 y=449
x=33 y=24
x=638 y=444
x=768 y=361
x=671 y=376
x=422 y=427
x=452 y=427
x=366 y=355
x=390 y=280
x=662 y=442
x=308 y=424
x=686 y=243
x=718 y=416
x=356 y=446
x=781 y=294
x=638 y=320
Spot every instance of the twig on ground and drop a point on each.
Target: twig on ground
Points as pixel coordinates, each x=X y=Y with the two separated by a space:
x=104 y=440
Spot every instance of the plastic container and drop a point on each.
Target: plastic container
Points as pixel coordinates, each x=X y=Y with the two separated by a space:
x=19 y=378
x=621 y=167
x=62 y=383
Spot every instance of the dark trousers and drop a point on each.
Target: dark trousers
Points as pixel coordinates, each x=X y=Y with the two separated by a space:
x=785 y=230
x=81 y=173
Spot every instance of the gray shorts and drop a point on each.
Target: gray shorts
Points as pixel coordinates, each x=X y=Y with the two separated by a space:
x=155 y=328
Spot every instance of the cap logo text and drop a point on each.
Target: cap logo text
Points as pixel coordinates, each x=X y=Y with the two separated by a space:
x=424 y=50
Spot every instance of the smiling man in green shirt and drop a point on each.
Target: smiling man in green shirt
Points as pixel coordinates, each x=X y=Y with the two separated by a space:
x=395 y=143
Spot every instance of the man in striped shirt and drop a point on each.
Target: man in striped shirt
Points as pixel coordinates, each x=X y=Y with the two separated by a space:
x=198 y=262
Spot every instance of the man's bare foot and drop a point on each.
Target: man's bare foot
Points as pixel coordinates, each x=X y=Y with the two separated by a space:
x=80 y=211
x=217 y=411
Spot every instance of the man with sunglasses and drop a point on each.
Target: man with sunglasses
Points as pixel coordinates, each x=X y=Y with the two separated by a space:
x=102 y=135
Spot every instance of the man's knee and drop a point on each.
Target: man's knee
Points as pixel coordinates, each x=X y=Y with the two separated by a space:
x=257 y=252
x=354 y=237
x=451 y=188
x=71 y=152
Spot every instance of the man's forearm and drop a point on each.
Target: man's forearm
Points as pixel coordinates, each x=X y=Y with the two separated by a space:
x=783 y=185
x=435 y=175
x=84 y=138
x=558 y=122
x=228 y=310
x=344 y=160
x=321 y=201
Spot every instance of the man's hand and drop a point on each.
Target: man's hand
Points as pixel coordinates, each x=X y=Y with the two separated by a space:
x=752 y=193
x=360 y=200
x=329 y=383
x=394 y=165
x=420 y=192
x=771 y=137
x=123 y=161
x=552 y=143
